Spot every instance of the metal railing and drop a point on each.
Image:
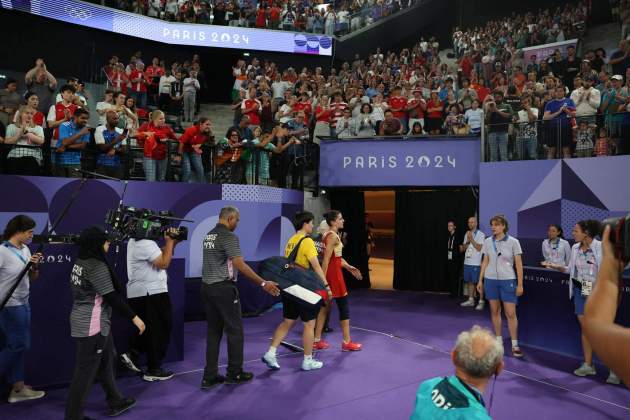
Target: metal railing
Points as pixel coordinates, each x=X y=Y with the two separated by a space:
x=286 y=170
x=559 y=138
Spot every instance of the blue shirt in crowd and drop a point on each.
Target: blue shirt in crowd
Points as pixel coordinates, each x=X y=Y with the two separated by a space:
x=70 y=156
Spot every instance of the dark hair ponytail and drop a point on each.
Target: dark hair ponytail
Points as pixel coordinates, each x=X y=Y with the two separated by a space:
x=590 y=227
x=20 y=223
x=559 y=229
x=331 y=215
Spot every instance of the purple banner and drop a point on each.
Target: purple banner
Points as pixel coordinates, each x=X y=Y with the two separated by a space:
x=392 y=163
x=539 y=53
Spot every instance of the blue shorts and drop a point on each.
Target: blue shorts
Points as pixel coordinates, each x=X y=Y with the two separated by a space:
x=578 y=300
x=471 y=273
x=503 y=290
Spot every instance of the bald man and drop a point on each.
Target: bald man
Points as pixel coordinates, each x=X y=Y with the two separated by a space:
x=477 y=356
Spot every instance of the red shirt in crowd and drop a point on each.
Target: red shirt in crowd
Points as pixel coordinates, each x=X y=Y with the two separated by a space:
x=254 y=115
x=140 y=86
x=482 y=91
x=154 y=146
x=399 y=102
x=59 y=108
x=192 y=136
x=154 y=72
x=304 y=107
x=466 y=66
x=261 y=18
x=435 y=104
x=325 y=117
x=118 y=81
x=274 y=14
x=337 y=112
x=417 y=105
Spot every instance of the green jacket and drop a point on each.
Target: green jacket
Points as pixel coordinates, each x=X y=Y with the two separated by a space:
x=448 y=399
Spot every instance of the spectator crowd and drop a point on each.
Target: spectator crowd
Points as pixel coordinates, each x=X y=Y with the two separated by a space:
x=336 y=18
x=562 y=105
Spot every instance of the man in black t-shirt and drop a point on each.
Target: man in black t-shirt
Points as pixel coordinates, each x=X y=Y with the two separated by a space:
x=498 y=116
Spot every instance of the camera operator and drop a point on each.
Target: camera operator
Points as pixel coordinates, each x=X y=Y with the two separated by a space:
x=147 y=292
x=15 y=318
x=95 y=291
x=611 y=342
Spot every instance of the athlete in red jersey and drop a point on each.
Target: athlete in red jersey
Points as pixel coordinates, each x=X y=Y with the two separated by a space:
x=332 y=266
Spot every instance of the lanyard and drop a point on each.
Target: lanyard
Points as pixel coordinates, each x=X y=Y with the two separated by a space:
x=450 y=241
x=12 y=248
x=473 y=391
x=494 y=243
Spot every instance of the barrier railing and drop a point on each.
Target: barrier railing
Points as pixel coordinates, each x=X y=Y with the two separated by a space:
x=252 y=165
x=560 y=137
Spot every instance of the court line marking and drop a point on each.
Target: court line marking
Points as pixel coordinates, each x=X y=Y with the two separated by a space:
x=438 y=350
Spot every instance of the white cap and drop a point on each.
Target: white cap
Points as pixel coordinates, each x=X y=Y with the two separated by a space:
x=617 y=77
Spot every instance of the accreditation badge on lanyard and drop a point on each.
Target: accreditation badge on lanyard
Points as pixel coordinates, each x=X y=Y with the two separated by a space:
x=450 y=247
x=587 y=263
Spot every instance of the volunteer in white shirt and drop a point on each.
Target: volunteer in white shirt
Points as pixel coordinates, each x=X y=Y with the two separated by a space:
x=15 y=318
x=473 y=242
x=555 y=249
x=583 y=267
x=147 y=292
x=498 y=279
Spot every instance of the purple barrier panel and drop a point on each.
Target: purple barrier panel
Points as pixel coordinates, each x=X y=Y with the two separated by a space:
x=397 y=162
x=51 y=358
x=534 y=194
x=546 y=316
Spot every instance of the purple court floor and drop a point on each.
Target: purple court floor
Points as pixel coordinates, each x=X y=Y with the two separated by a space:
x=407 y=338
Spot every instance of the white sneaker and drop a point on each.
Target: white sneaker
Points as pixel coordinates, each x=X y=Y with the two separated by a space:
x=468 y=303
x=480 y=305
x=613 y=379
x=25 y=394
x=271 y=361
x=311 y=364
x=585 y=370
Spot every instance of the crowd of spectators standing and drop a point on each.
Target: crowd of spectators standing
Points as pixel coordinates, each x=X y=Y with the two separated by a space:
x=334 y=18
x=558 y=106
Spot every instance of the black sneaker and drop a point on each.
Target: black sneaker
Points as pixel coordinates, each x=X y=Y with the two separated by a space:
x=130 y=362
x=153 y=375
x=241 y=378
x=207 y=384
x=120 y=407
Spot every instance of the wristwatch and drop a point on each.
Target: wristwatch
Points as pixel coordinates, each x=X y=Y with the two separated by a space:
x=263 y=284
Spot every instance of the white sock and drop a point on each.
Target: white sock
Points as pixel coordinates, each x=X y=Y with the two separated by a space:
x=514 y=343
x=309 y=357
x=317 y=340
x=272 y=350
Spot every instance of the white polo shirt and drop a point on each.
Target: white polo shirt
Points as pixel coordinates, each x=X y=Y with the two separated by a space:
x=501 y=267
x=556 y=253
x=584 y=265
x=472 y=256
x=144 y=278
x=12 y=261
